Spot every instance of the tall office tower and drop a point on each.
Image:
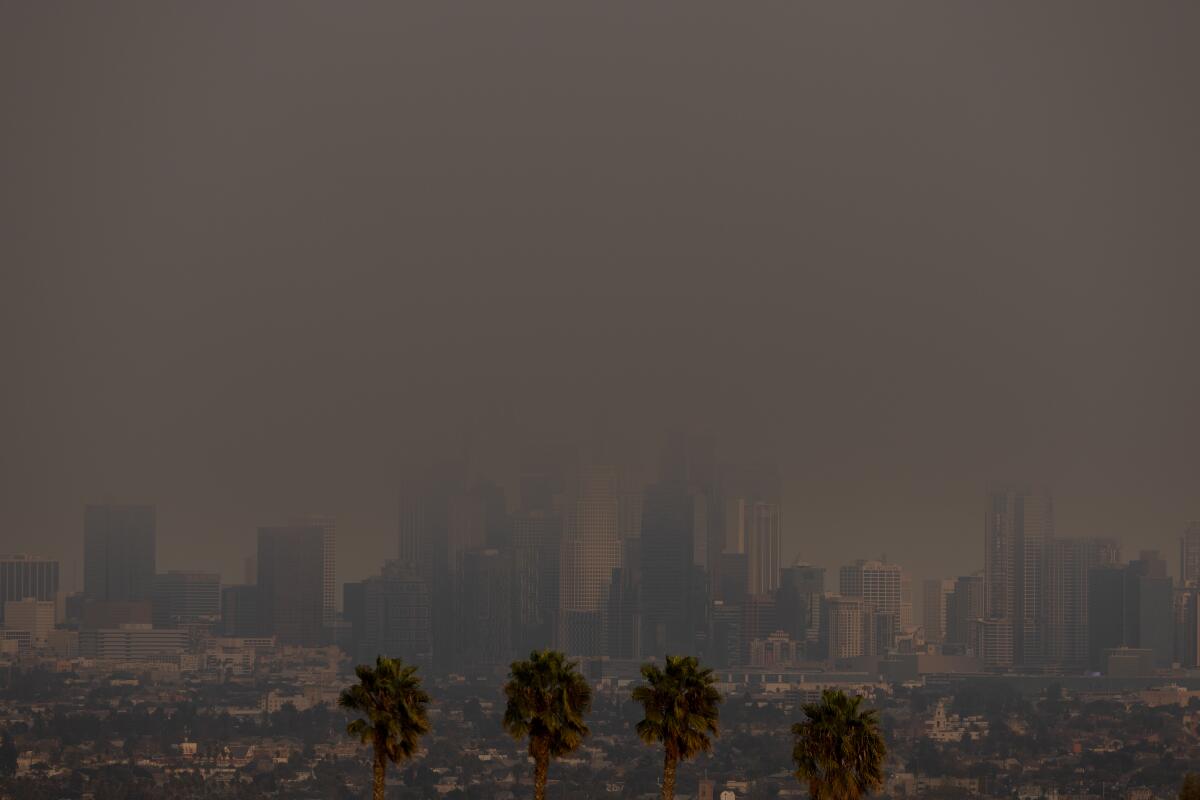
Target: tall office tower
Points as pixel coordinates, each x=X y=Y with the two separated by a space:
x=964 y=607
x=485 y=622
x=728 y=578
x=906 y=601
x=590 y=551
x=842 y=634
x=667 y=546
x=537 y=541
x=328 y=526
x=876 y=582
x=184 y=598
x=1018 y=527
x=396 y=616
x=1187 y=626
x=425 y=517
x=1068 y=564
x=291 y=583
x=239 y=611
x=24 y=576
x=436 y=526
x=798 y=602
x=1131 y=606
x=749 y=520
x=725 y=647
x=764 y=541
x=118 y=552
x=354 y=615
x=623 y=621
x=935 y=597
x=1189 y=555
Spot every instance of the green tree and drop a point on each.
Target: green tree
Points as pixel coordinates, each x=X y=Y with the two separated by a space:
x=839 y=750
x=393 y=706
x=547 y=698
x=1190 y=790
x=681 y=707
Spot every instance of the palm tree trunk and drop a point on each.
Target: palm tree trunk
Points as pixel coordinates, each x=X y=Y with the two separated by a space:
x=541 y=769
x=668 y=784
x=380 y=774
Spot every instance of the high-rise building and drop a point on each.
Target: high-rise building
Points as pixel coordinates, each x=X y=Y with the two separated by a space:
x=798 y=601
x=182 y=598
x=1018 y=527
x=935 y=597
x=1187 y=626
x=1068 y=563
x=667 y=546
x=964 y=607
x=842 y=634
x=590 y=551
x=396 y=619
x=1189 y=555
x=328 y=526
x=880 y=586
x=239 y=611
x=291 y=584
x=486 y=618
x=1131 y=607
x=537 y=540
x=23 y=576
x=764 y=542
x=118 y=552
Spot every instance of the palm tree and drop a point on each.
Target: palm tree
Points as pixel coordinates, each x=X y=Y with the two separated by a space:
x=547 y=698
x=839 y=749
x=394 y=707
x=681 y=706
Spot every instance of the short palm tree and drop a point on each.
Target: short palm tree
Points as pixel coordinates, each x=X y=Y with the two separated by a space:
x=547 y=698
x=393 y=705
x=681 y=706
x=839 y=749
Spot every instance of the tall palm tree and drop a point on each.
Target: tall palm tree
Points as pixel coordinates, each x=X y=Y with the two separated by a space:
x=394 y=719
x=547 y=698
x=839 y=749
x=681 y=705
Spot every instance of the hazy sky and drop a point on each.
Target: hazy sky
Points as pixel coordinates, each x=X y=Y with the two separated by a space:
x=255 y=258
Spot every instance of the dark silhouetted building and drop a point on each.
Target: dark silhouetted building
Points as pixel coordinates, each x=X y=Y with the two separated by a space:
x=1068 y=564
x=485 y=620
x=182 y=598
x=291 y=584
x=667 y=549
x=1131 y=607
x=239 y=611
x=118 y=552
x=537 y=537
x=396 y=616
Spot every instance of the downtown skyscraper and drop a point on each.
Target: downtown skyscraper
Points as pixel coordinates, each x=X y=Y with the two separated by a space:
x=119 y=543
x=1018 y=528
x=291 y=584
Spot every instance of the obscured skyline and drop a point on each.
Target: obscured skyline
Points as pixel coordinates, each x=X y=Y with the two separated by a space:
x=256 y=264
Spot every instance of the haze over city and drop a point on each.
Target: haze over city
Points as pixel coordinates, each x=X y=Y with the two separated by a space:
x=259 y=263
x=810 y=390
